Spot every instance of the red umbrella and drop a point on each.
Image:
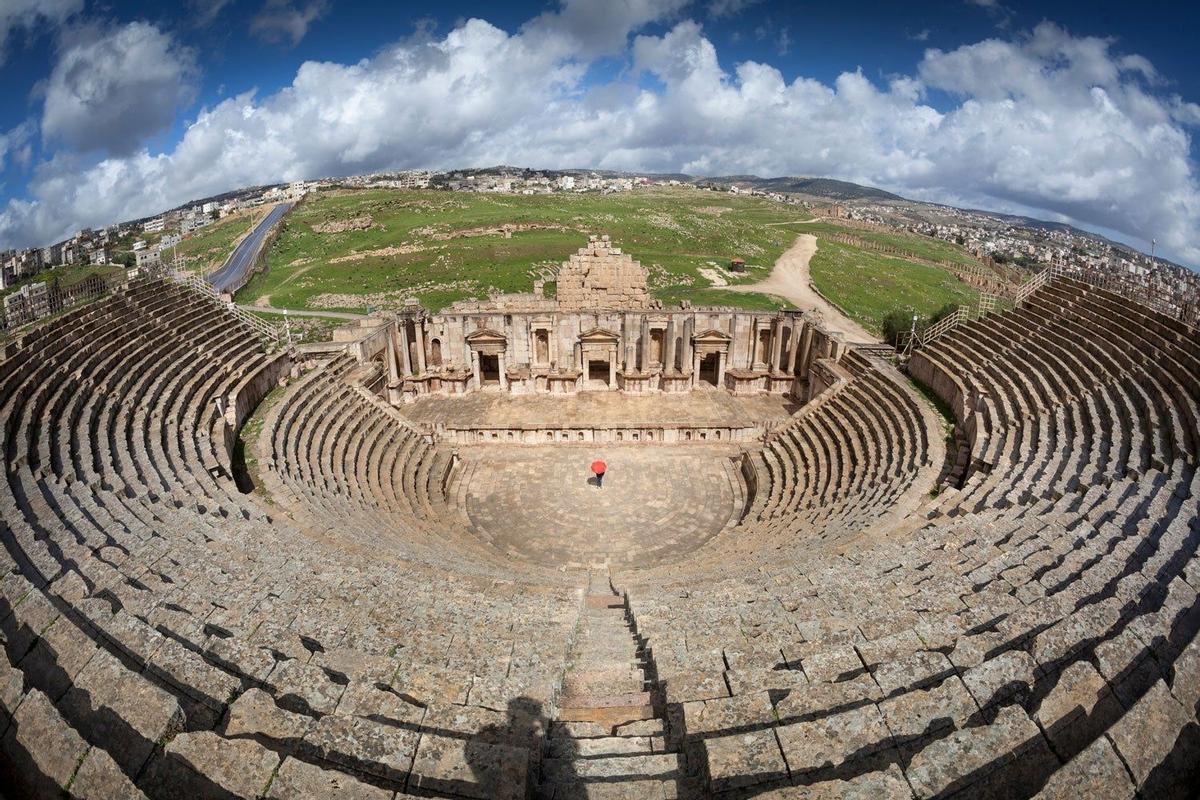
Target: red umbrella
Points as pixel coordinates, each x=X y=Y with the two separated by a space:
x=599 y=467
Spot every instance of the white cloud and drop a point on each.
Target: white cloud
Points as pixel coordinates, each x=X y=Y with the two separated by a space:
x=27 y=15
x=280 y=21
x=1048 y=122
x=586 y=29
x=207 y=11
x=728 y=8
x=16 y=145
x=113 y=87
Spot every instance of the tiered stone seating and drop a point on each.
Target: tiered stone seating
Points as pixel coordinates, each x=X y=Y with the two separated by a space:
x=867 y=631
x=1036 y=632
x=165 y=635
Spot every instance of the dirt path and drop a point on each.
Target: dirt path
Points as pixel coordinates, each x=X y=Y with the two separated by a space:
x=302 y=313
x=790 y=280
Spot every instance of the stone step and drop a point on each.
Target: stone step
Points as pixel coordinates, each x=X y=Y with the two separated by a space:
x=611 y=717
x=566 y=747
x=620 y=680
x=604 y=601
x=588 y=770
x=594 y=730
x=628 y=700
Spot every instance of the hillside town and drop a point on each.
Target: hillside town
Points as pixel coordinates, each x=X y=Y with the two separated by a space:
x=993 y=238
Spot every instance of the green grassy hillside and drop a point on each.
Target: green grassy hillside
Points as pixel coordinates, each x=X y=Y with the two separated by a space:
x=441 y=247
x=354 y=250
x=868 y=285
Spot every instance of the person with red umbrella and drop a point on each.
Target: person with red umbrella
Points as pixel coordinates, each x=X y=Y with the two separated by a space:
x=599 y=468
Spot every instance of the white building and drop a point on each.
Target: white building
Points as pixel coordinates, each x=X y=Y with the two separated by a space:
x=155 y=225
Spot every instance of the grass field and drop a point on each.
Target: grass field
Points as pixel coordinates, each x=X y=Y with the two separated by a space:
x=868 y=285
x=434 y=245
x=921 y=246
x=365 y=250
x=207 y=249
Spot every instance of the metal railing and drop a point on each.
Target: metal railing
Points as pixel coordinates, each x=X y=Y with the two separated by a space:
x=198 y=284
x=988 y=304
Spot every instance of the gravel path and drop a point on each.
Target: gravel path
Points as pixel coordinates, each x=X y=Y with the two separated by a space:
x=790 y=280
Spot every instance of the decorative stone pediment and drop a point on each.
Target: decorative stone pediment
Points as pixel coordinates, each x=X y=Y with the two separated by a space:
x=599 y=336
x=712 y=341
x=486 y=340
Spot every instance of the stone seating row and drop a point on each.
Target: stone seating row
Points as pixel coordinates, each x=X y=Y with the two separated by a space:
x=1037 y=632
x=144 y=597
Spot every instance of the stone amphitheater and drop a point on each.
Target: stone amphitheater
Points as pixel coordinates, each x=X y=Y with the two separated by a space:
x=377 y=568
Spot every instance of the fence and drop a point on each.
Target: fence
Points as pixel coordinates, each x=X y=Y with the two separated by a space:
x=198 y=284
x=988 y=304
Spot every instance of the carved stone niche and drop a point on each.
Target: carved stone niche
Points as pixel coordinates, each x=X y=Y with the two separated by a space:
x=488 y=365
x=710 y=355
x=598 y=348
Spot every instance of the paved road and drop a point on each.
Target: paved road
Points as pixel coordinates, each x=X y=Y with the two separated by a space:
x=301 y=313
x=233 y=272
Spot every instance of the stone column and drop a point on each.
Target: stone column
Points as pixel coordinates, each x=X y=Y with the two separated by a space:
x=793 y=348
x=420 y=330
x=721 y=369
x=612 y=370
x=776 y=344
x=805 y=349
x=393 y=373
x=407 y=362
x=502 y=364
x=696 y=369
x=689 y=329
x=669 y=346
x=475 y=369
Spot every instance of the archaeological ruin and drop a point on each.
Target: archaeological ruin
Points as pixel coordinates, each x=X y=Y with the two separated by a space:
x=380 y=567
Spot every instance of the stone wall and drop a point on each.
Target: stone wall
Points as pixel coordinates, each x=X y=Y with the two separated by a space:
x=600 y=276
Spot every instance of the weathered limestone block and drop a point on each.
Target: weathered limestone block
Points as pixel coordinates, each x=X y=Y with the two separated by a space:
x=100 y=777
x=744 y=759
x=728 y=714
x=202 y=764
x=1146 y=734
x=831 y=740
x=1079 y=706
x=916 y=714
x=885 y=784
x=256 y=714
x=470 y=767
x=384 y=751
x=1001 y=752
x=1096 y=771
x=297 y=780
x=41 y=748
x=998 y=679
x=124 y=709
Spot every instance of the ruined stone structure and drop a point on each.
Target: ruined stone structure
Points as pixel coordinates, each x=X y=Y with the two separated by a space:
x=601 y=331
x=849 y=605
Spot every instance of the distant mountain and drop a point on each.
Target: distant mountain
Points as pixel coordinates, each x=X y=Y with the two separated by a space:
x=816 y=187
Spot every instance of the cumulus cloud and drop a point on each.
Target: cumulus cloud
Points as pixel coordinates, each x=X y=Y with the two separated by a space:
x=1047 y=122
x=281 y=21
x=586 y=29
x=113 y=87
x=26 y=15
x=16 y=145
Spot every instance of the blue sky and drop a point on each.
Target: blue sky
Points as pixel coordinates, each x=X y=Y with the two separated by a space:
x=1077 y=112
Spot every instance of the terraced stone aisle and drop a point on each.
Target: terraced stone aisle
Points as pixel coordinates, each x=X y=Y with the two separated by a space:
x=607 y=739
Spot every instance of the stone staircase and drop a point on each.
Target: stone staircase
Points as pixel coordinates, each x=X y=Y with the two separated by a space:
x=608 y=738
